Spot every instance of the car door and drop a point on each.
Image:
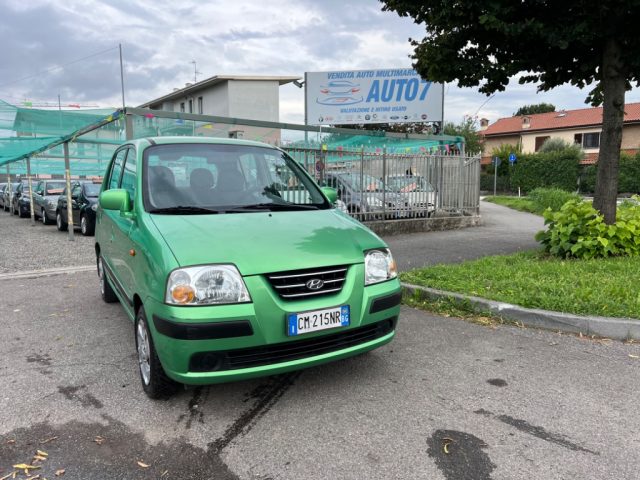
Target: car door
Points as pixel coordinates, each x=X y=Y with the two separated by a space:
x=76 y=192
x=126 y=229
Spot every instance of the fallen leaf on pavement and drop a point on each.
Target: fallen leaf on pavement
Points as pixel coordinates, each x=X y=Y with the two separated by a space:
x=51 y=439
x=39 y=457
x=9 y=442
x=142 y=464
x=633 y=356
x=33 y=478
x=42 y=453
x=99 y=440
x=12 y=474
x=60 y=472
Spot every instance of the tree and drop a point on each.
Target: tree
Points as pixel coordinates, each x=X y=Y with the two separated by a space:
x=581 y=42
x=467 y=129
x=535 y=108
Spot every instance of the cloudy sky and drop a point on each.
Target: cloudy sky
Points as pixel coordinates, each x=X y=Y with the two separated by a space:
x=269 y=37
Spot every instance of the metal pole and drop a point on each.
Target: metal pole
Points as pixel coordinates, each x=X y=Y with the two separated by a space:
x=67 y=172
x=33 y=218
x=121 y=74
x=361 y=182
x=495 y=176
x=384 y=183
x=8 y=188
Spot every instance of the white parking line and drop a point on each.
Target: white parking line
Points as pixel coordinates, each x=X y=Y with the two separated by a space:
x=47 y=272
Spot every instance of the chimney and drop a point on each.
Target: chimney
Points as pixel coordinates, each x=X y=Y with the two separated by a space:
x=526 y=122
x=484 y=124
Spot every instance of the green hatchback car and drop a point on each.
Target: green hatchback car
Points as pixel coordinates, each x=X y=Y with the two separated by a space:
x=232 y=263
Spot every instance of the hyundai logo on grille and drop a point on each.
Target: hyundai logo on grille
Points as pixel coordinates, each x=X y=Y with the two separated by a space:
x=315 y=284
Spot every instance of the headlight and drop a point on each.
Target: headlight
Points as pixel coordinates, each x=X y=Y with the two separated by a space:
x=379 y=266
x=206 y=285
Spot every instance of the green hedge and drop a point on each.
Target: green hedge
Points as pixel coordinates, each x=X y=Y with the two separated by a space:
x=557 y=169
x=628 y=175
x=486 y=183
x=553 y=198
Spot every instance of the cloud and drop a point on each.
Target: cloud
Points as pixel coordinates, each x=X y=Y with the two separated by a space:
x=161 y=37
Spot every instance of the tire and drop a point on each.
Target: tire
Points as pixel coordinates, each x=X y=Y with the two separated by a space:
x=107 y=293
x=43 y=217
x=155 y=382
x=86 y=226
x=60 y=224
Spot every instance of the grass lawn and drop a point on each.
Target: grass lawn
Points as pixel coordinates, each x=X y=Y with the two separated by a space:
x=517 y=203
x=605 y=287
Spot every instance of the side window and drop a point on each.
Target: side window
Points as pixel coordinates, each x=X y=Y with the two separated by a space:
x=129 y=175
x=116 y=169
x=39 y=188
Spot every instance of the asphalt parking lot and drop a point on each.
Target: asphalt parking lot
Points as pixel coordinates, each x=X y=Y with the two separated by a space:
x=504 y=402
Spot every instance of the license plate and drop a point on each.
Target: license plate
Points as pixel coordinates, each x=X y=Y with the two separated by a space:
x=316 y=320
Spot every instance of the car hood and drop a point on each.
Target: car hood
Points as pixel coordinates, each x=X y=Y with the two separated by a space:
x=267 y=241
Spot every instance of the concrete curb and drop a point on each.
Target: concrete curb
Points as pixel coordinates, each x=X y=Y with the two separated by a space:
x=615 y=328
x=47 y=272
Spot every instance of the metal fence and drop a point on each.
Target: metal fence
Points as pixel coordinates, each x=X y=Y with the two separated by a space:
x=380 y=185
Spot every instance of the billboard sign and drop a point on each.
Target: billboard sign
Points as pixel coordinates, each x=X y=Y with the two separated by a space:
x=394 y=95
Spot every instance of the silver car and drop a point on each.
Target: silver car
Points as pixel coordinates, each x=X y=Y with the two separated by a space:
x=418 y=192
x=45 y=199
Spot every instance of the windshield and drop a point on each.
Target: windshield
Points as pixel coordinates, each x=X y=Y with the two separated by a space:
x=409 y=183
x=54 y=188
x=201 y=178
x=92 y=189
x=370 y=183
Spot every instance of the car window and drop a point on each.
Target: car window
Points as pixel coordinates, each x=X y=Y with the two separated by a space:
x=76 y=191
x=116 y=169
x=216 y=175
x=53 y=188
x=129 y=175
x=91 y=189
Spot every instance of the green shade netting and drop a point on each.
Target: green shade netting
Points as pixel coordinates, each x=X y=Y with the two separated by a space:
x=25 y=131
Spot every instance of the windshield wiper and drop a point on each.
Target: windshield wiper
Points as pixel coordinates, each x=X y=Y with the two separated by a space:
x=276 y=207
x=184 y=210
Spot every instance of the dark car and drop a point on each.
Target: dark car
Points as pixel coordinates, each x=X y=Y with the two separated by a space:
x=2 y=187
x=84 y=201
x=21 y=201
x=45 y=199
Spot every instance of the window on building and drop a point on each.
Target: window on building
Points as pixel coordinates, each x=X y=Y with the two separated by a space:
x=190 y=106
x=200 y=106
x=540 y=141
x=591 y=140
x=577 y=139
x=182 y=107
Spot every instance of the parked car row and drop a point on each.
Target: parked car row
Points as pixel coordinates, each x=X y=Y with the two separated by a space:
x=369 y=198
x=50 y=202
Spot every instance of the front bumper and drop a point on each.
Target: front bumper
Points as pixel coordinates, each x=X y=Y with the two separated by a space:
x=198 y=345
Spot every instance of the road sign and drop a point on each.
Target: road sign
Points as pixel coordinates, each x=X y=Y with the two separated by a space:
x=512 y=158
x=496 y=161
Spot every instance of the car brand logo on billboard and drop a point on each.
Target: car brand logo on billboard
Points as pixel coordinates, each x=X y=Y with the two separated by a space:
x=371 y=96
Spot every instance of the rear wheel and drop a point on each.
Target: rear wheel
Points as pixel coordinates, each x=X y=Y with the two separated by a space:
x=60 y=223
x=155 y=382
x=108 y=295
x=43 y=217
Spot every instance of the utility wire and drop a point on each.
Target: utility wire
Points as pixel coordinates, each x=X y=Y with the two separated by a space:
x=485 y=102
x=56 y=67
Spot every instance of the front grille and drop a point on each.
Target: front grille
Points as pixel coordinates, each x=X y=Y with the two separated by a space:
x=287 y=351
x=296 y=284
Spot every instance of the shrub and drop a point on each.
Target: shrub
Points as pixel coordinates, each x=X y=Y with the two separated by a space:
x=578 y=230
x=555 y=144
x=628 y=175
x=486 y=183
x=558 y=169
x=553 y=198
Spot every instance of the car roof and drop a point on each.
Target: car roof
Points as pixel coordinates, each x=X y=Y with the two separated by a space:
x=143 y=143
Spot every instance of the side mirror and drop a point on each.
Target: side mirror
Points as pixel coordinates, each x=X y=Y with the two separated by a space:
x=116 y=199
x=331 y=194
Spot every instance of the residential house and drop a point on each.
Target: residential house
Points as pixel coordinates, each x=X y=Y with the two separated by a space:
x=582 y=126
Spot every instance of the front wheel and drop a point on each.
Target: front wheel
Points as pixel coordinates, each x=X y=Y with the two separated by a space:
x=44 y=218
x=60 y=223
x=155 y=382
x=86 y=226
